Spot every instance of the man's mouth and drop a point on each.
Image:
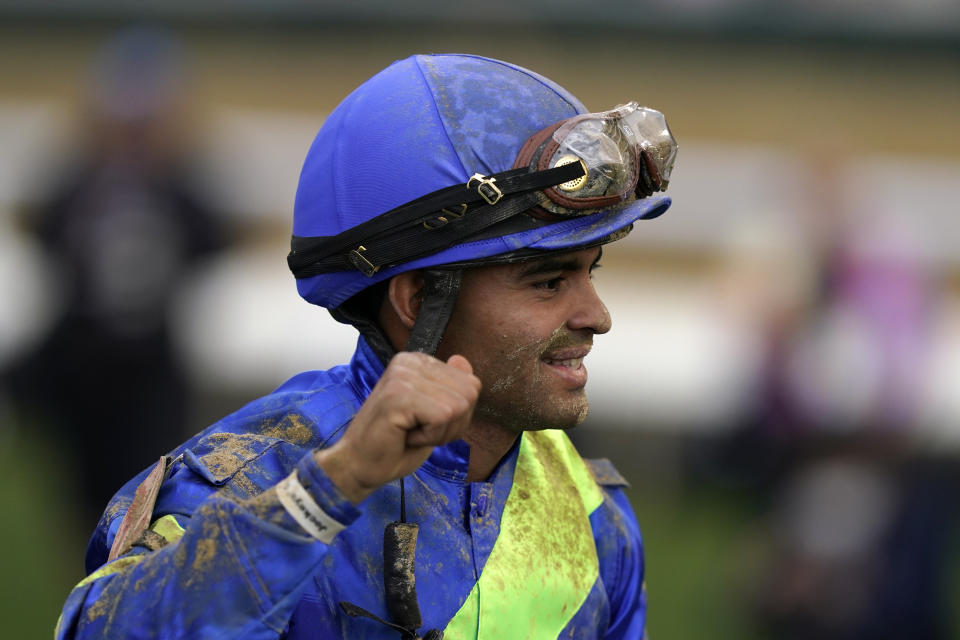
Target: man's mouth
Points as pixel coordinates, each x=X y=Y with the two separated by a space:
x=570 y=356
x=572 y=363
x=568 y=363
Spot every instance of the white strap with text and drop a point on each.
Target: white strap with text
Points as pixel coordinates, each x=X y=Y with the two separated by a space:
x=301 y=506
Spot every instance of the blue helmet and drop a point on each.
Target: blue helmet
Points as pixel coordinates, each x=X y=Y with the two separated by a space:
x=419 y=127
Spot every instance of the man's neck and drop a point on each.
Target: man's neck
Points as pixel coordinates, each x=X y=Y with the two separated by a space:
x=488 y=444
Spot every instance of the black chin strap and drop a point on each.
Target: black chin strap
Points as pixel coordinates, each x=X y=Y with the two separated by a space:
x=440 y=290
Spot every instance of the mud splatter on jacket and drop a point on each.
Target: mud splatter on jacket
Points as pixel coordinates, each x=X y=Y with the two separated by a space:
x=548 y=547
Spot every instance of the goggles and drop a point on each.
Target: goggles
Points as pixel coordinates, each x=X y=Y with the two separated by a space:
x=625 y=153
x=575 y=167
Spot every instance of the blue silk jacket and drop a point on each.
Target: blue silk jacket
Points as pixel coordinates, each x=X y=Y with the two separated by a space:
x=548 y=547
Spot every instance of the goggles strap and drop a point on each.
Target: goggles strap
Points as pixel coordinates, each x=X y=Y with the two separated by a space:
x=417 y=241
x=423 y=223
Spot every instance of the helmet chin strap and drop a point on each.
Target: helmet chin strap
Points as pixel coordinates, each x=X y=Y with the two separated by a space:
x=440 y=290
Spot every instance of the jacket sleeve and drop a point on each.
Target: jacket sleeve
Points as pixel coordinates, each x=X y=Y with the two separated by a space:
x=628 y=602
x=231 y=568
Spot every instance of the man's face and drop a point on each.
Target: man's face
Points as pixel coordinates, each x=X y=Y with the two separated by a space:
x=526 y=328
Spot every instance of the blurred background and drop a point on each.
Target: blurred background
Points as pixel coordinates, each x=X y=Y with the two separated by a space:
x=780 y=383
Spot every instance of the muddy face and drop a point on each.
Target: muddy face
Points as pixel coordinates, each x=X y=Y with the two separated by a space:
x=526 y=329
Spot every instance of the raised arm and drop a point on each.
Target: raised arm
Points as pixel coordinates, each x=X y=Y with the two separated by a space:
x=237 y=568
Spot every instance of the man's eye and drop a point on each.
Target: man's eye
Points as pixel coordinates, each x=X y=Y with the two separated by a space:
x=550 y=284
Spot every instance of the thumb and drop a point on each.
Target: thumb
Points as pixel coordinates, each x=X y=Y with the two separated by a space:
x=459 y=362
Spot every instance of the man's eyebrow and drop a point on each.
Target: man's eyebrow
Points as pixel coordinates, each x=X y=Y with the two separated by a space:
x=553 y=265
x=549 y=265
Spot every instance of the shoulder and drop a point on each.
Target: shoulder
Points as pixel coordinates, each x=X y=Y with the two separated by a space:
x=249 y=451
x=245 y=453
x=308 y=411
x=604 y=473
x=615 y=516
x=614 y=523
x=614 y=520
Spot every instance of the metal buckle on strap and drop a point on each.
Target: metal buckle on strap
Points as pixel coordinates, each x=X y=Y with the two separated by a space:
x=487 y=189
x=439 y=221
x=357 y=259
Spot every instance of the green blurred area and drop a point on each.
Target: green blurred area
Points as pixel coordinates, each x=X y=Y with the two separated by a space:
x=41 y=538
x=693 y=564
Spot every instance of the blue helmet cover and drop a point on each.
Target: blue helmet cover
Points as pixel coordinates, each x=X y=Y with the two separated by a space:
x=422 y=124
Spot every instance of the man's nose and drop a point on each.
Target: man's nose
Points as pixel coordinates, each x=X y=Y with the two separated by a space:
x=589 y=311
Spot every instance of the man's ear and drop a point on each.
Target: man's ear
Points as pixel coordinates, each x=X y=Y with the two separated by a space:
x=404 y=295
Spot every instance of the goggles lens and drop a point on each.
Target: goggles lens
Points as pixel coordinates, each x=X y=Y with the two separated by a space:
x=627 y=153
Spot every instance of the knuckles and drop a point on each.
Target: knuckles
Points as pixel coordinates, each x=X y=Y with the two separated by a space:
x=409 y=371
x=445 y=413
x=461 y=405
x=411 y=360
x=429 y=398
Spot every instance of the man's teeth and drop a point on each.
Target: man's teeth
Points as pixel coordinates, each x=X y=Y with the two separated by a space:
x=573 y=363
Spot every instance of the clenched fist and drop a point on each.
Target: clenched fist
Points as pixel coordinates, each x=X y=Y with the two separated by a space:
x=419 y=403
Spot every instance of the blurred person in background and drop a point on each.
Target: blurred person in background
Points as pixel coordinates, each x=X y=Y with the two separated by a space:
x=861 y=521
x=123 y=228
x=858 y=522
x=453 y=209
